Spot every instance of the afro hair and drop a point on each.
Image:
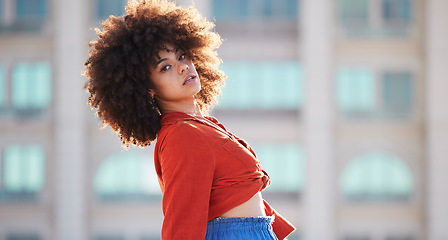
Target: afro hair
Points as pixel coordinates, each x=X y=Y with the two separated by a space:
x=118 y=65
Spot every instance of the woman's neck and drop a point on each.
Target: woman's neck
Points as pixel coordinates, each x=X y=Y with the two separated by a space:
x=190 y=108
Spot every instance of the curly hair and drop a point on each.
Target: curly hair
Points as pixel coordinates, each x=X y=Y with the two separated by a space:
x=118 y=65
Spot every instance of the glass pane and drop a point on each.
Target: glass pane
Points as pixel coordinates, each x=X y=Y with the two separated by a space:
x=353 y=10
x=20 y=86
x=279 y=9
x=291 y=92
x=31 y=86
x=397 y=10
x=13 y=167
x=34 y=172
x=355 y=90
x=292 y=8
x=351 y=180
x=24 y=168
x=26 y=9
x=42 y=87
x=230 y=9
x=262 y=85
x=284 y=164
x=236 y=93
x=127 y=175
x=105 y=8
x=376 y=176
x=397 y=93
x=2 y=81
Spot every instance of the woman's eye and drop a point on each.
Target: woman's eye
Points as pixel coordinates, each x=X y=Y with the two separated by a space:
x=165 y=68
x=182 y=57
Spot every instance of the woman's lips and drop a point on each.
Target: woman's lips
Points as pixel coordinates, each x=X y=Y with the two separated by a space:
x=191 y=79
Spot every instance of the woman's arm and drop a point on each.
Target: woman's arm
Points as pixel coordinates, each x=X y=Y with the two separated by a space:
x=187 y=168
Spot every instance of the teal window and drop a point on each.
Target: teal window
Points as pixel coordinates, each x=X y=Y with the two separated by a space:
x=31 y=9
x=376 y=17
x=262 y=85
x=105 y=8
x=285 y=165
x=126 y=176
x=360 y=93
x=23 y=171
x=2 y=87
x=397 y=93
x=376 y=176
x=356 y=91
x=260 y=9
x=353 y=11
x=397 y=10
x=231 y=9
x=31 y=86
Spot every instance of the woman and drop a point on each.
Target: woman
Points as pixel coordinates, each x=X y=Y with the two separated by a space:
x=154 y=73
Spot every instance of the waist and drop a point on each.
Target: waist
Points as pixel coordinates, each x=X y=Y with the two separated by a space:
x=253 y=207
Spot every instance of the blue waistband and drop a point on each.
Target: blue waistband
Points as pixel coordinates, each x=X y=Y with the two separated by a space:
x=241 y=223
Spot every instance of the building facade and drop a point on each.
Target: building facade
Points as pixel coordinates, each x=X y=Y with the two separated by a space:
x=343 y=102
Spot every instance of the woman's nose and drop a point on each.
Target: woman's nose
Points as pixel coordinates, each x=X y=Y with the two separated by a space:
x=183 y=67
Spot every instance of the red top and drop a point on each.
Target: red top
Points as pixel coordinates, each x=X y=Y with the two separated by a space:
x=203 y=172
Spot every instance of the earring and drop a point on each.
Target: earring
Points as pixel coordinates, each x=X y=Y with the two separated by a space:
x=154 y=106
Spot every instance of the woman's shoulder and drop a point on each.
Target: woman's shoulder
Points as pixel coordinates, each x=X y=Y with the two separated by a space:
x=182 y=129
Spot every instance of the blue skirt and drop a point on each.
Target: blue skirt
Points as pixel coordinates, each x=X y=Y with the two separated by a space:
x=247 y=228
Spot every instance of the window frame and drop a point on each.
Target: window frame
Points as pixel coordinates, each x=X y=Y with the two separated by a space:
x=380 y=109
x=376 y=24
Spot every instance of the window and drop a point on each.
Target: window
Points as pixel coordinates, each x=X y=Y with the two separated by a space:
x=354 y=12
x=397 y=11
x=285 y=164
x=26 y=15
x=244 y=10
x=105 y=8
x=31 y=9
x=126 y=176
x=23 y=172
x=356 y=90
x=361 y=93
x=376 y=18
x=31 y=86
x=397 y=93
x=376 y=176
x=262 y=85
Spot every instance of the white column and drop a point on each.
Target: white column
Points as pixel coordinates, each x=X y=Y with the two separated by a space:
x=437 y=118
x=318 y=197
x=70 y=28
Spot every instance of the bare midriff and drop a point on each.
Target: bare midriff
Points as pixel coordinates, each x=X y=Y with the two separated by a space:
x=251 y=208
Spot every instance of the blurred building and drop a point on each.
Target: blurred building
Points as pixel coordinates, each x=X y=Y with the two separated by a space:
x=343 y=101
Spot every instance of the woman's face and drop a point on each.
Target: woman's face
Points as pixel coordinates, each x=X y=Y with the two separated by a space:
x=174 y=77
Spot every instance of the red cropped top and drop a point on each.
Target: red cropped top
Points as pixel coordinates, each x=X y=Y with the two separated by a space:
x=203 y=172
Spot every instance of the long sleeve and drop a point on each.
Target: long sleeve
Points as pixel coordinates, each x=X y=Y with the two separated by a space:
x=187 y=166
x=282 y=228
